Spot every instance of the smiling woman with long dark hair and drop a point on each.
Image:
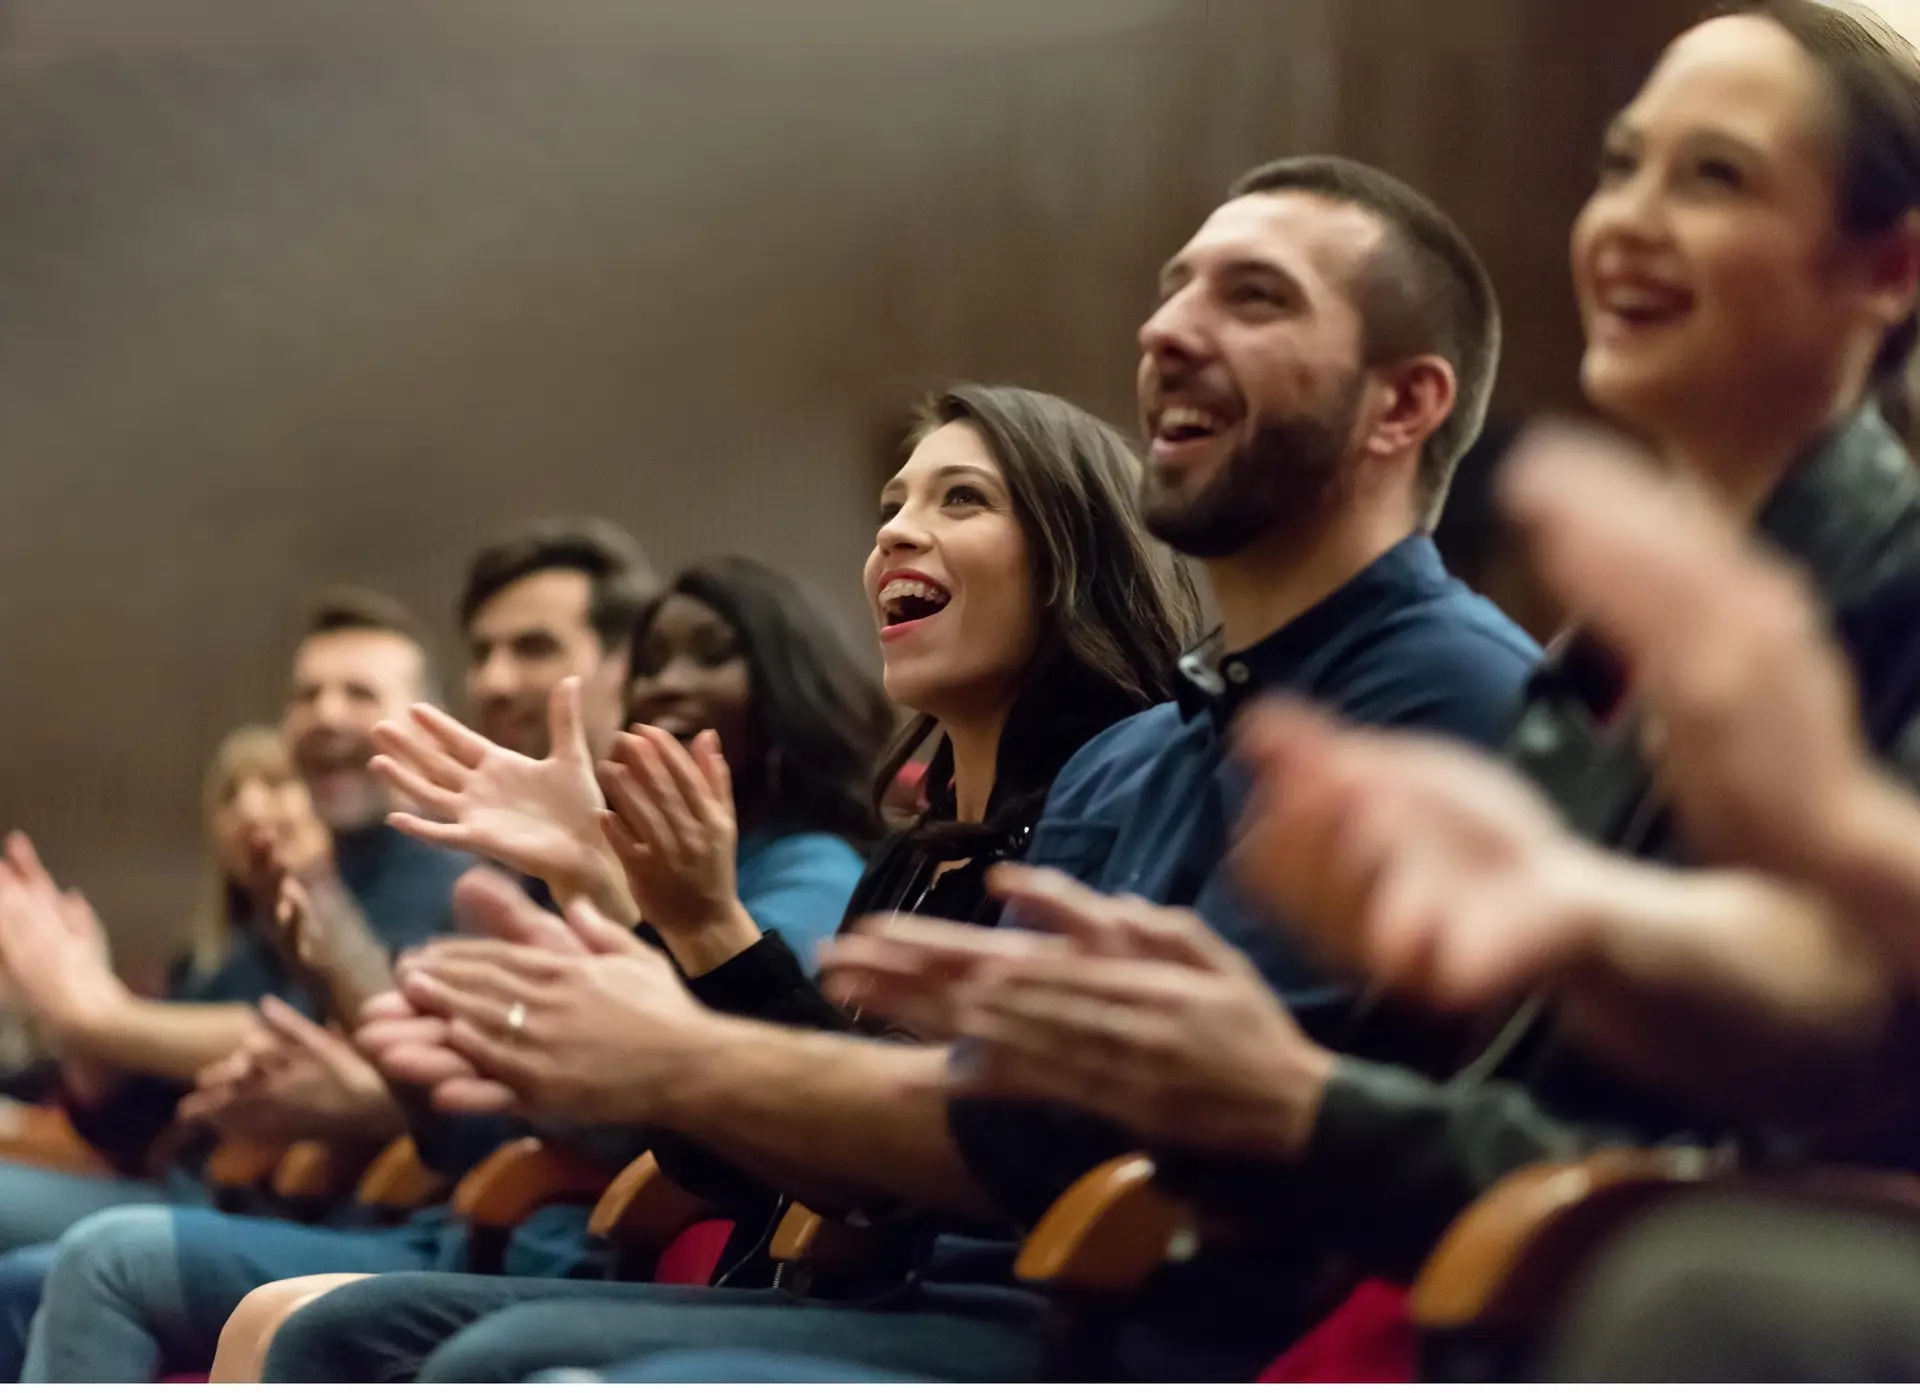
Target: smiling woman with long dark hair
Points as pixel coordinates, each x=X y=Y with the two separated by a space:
x=1021 y=610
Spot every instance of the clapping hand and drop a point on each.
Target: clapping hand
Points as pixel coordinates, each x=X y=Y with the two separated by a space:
x=539 y=817
x=1413 y=862
x=292 y=1080
x=53 y=945
x=672 y=824
x=1760 y=744
x=411 y=1046
x=1124 y=1009
x=588 y=1033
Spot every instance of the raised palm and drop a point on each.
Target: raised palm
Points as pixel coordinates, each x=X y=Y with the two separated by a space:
x=534 y=816
x=1426 y=867
x=53 y=944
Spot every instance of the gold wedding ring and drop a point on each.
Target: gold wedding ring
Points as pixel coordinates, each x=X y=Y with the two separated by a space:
x=516 y=1019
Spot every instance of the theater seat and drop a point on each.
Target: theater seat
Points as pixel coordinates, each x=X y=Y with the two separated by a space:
x=825 y=1246
x=37 y=1134
x=524 y=1175
x=312 y=1177
x=1108 y=1233
x=495 y=1195
x=240 y=1167
x=1104 y=1237
x=1366 y=1339
x=1505 y=1262
x=692 y=1259
x=643 y=1213
x=1114 y=1228
x=399 y=1182
x=1501 y=1275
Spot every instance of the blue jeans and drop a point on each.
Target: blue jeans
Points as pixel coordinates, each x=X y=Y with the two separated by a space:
x=730 y=1366
x=145 y=1290
x=446 y=1328
x=37 y=1206
x=22 y=1274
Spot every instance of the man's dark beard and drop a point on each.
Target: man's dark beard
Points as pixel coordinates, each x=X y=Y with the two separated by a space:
x=1281 y=484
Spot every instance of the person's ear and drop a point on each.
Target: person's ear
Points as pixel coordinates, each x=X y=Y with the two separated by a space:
x=1407 y=403
x=1890 y=283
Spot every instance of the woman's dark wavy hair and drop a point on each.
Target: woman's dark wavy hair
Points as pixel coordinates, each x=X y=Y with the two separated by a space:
x=1115 y=609
x=1873 y=75
x=823 y=719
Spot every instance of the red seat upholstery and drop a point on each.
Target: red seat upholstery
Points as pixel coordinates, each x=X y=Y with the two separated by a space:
x=690 y=1259
x=1369 y=1338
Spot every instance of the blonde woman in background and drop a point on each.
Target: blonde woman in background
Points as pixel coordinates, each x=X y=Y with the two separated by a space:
x=250 y=788
x=248 y=785
x=125 y=1060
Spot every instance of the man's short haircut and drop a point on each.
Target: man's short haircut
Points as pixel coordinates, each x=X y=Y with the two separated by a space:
x=1423 y=291
x=350 y=609
x=612 y=561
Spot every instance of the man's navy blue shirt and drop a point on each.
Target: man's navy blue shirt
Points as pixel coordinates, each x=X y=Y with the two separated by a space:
x=1150 y=806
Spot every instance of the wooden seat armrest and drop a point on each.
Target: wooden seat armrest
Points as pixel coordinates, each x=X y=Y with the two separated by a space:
x=1506 y=1262
x=399 y=1180
x=644 y=1211
x=241 y=1355
x=241 y=1163
x=320 y=1171
x=1104 y=1237
x=36 y=1134
x=824 y=1245
x=524 y=1175
x=1108 y=1233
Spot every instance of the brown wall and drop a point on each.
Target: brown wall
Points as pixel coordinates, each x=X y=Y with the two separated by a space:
x=293 y=292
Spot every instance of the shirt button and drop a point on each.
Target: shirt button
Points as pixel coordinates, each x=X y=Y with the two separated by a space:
x=1236 y=672
x=1539 y=734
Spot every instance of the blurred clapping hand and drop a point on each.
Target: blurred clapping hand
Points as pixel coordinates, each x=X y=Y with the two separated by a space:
x=1128 y=1010
x=53 y=945
x=292 y=1080
x=540 y=817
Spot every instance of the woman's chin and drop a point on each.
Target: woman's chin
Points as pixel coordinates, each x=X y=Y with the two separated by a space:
x=1635 y=394
x=924 y=684
x=906 y=684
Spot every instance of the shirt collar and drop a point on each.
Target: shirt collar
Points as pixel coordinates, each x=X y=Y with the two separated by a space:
x=1213 y=679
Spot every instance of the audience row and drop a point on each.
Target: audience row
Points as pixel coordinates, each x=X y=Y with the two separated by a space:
x=1157 y=1001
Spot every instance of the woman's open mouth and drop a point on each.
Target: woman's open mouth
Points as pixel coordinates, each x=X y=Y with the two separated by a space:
x=907 y=602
